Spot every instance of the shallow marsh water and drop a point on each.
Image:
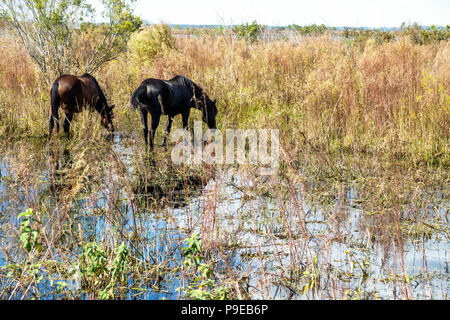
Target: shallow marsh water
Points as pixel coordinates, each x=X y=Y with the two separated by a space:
x=266 y=238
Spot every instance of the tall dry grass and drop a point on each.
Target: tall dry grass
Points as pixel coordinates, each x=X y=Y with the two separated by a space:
x=389 y=100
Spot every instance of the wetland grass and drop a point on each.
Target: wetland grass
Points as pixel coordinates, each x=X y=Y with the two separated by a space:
x=358 y=209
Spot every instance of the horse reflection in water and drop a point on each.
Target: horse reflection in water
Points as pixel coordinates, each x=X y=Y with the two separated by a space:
x=173 y=189
x=168 y=187
x=59 y=164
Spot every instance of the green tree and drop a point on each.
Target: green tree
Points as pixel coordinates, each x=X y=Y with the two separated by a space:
x=249 y=32
x=62 y=37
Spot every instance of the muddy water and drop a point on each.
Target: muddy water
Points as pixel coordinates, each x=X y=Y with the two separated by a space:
x=278 y=246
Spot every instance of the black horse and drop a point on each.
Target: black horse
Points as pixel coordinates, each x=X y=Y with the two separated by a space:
x=170 y=98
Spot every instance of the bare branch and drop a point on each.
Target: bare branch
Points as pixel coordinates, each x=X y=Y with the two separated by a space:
x=60 y=37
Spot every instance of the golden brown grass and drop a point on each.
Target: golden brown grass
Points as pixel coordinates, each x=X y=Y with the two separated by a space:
x=390 y=99
x=345 y=116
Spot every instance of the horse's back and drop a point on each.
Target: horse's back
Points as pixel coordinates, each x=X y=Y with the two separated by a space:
x=178 y=80
x=90 y=89
x=155 y=88
x=69 y=92
x=76 y=92
x=157 y=84
x=175 y=94
x=67 y=83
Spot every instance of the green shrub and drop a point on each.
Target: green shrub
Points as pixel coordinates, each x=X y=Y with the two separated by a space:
x=427 y=35
x=310 y=30
x=249 y=32
x=149 y=42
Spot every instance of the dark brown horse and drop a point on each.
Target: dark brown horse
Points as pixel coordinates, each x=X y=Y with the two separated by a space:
x=73 y=94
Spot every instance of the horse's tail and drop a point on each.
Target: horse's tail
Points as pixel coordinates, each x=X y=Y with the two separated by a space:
x=137 y=97
x=54 y=96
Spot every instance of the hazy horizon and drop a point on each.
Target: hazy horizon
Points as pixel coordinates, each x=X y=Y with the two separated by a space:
x=344 y=13
x=181 y=25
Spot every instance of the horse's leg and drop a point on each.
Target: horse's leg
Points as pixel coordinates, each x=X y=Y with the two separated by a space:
x=144 y=120
x=54 y=117
x=185 y=116
x=51 y=124
x=168 y=127
x=54 y=106
x=155 y=123
x=67 y=122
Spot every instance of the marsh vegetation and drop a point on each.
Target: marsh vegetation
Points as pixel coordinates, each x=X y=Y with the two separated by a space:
x=358 y=209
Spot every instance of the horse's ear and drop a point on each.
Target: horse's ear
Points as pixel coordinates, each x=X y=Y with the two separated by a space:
x=215 y=100
x=112 y=107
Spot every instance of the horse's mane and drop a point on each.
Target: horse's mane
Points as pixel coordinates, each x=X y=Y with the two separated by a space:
x=102 y=98
x=185 y=81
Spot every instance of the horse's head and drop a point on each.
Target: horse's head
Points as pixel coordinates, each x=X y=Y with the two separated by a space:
x=201 y=101
x=107 y=118
x=209 y=113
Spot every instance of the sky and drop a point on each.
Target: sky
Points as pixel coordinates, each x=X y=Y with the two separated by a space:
x=338 y=13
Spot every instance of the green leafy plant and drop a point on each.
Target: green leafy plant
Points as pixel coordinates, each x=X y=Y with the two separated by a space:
x=102 y=272
x=204 y=287
x=29 y=235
